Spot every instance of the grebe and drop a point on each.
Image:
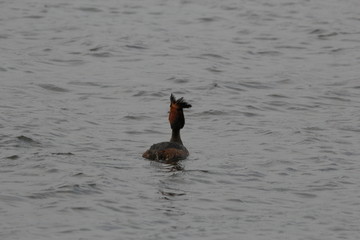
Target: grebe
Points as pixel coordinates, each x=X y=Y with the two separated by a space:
x=173 y=150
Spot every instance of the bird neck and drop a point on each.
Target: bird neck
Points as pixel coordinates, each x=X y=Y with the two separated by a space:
x=175 y=136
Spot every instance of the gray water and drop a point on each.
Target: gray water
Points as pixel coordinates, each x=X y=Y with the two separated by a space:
x=273 y=134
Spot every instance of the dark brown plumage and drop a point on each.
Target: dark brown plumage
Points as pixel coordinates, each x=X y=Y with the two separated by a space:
x=173 y=150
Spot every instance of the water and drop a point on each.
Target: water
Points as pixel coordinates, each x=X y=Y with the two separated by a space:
x=273 y=133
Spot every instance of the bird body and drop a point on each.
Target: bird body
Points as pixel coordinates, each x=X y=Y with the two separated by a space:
x=173 y=150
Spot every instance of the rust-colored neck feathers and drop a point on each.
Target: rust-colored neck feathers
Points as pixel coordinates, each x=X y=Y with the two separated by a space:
x=176 y=117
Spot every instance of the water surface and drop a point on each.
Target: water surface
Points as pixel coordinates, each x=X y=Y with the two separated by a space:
x=273 y=133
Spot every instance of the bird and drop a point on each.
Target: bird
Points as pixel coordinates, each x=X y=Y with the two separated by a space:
x=174 y=150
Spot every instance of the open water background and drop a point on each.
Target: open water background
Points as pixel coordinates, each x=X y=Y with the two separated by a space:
x=273 y=135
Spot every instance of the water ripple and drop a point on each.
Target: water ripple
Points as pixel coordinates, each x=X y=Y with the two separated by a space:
x=66 y=190
x=52 y=87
